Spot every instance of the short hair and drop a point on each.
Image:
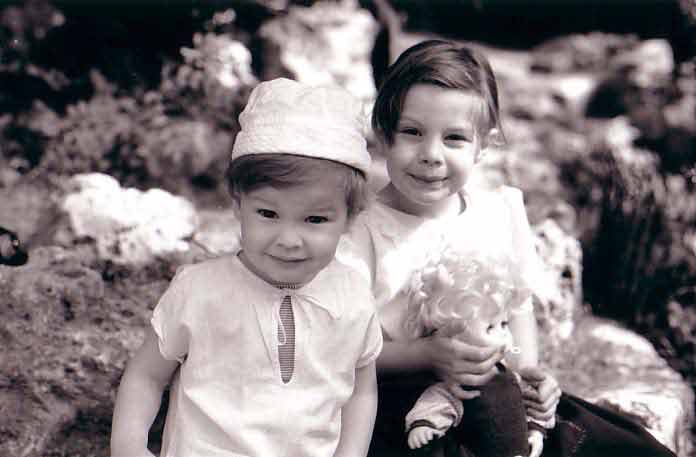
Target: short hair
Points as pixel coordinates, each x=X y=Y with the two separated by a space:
x=250 y=172
x=442 y=63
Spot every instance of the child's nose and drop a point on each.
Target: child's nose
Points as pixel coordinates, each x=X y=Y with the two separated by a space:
x=430 y=152
x=289 y=237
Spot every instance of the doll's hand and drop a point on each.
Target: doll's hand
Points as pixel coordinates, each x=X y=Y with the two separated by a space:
x=459 y=363
x=420 y=436
x=536 y=443
x=541 y=395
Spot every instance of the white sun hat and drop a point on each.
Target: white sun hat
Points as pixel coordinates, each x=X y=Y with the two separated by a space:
x=288 y=117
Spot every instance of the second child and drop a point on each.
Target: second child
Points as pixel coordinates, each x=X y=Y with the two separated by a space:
x=435 y=115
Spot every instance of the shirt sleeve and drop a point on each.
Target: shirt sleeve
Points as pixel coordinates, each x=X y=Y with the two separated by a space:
x=528 y=263
x=438 y=407
x=373 y=342
x=169 y=319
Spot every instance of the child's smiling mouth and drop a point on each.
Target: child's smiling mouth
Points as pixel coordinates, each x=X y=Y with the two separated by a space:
x=428 y=179
x=286 y=259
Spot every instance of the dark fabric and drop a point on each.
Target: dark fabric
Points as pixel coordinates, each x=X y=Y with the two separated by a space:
x=587 y=430
x=582 y=428
x=495 y=424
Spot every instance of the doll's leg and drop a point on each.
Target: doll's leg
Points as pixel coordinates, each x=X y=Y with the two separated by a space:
x=495 y=423
x=397 y=394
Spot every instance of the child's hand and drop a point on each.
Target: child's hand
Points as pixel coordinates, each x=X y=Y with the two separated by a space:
x=536 y=443
x=459 y=363
x=541 y=395
x=420 y=436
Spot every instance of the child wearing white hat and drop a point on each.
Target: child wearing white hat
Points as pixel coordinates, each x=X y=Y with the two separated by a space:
x=275 y=345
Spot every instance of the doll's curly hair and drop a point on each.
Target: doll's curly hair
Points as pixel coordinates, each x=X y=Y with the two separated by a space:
x=461 y=286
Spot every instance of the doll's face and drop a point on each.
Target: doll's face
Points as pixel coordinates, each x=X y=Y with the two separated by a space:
x=491 y=328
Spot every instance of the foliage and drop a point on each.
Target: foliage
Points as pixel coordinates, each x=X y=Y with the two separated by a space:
x=637 y=251
x=176 y=137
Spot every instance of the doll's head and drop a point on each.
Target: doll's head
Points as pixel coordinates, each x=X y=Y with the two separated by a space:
x=469 y=291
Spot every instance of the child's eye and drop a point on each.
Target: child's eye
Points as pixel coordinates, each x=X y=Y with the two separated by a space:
x=504 y=324
x=267 y=213
x=457 y=138
x=489 y=329
x=409 y=131
x=317 y=219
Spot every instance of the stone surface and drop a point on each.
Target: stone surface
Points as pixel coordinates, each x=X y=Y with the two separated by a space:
x=67 y=326
x=130 y=226
x=560 y=302
x=612 y=366
x=329 y=42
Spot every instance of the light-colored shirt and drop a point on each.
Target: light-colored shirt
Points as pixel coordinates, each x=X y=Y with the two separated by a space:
x=387 y=246
x=221 y=322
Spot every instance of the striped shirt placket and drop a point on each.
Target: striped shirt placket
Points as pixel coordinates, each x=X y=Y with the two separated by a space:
x=286 y=337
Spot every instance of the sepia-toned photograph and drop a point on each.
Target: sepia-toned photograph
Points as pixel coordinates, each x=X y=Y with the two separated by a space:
x=347 y=228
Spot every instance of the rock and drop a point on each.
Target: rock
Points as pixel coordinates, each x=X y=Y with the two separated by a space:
x=649 y=64
x=218 y=232
x=129 y=226
x=615 y=367
x=560 y=302
x=65 y=336
x=329 y=42
x=588 y=52
x=224 y=60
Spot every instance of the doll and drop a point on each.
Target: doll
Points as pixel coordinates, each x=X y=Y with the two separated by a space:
x=471 y=297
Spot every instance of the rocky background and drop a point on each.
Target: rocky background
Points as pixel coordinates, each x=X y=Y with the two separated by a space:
x=116 y=119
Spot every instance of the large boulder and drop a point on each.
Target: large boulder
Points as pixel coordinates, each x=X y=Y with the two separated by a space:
x=612 y=366
x=68 y=323
x=130 y=226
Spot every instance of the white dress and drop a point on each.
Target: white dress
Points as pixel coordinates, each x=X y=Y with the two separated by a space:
x=387 y=246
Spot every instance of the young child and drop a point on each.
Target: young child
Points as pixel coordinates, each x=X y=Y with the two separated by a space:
x=275 y=346
x=460 y=293
x=435 y=114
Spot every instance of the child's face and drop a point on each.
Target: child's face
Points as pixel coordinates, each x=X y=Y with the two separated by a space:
x=290 y=234
x=435 y=146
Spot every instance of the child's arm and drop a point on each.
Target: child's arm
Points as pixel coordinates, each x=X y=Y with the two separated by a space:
x=524 y=331
x=138 y=398
x=541 y=401
x=451 y=359
x=358 y=414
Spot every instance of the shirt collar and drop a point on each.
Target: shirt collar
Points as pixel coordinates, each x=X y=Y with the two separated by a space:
x=321 y=291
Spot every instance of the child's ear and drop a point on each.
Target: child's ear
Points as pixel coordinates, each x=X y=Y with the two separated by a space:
x=236 y=207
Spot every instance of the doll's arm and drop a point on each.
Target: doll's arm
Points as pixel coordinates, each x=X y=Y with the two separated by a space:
x=358 y=414
x=436 y=408
x=422 y=435
x=138 y=399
